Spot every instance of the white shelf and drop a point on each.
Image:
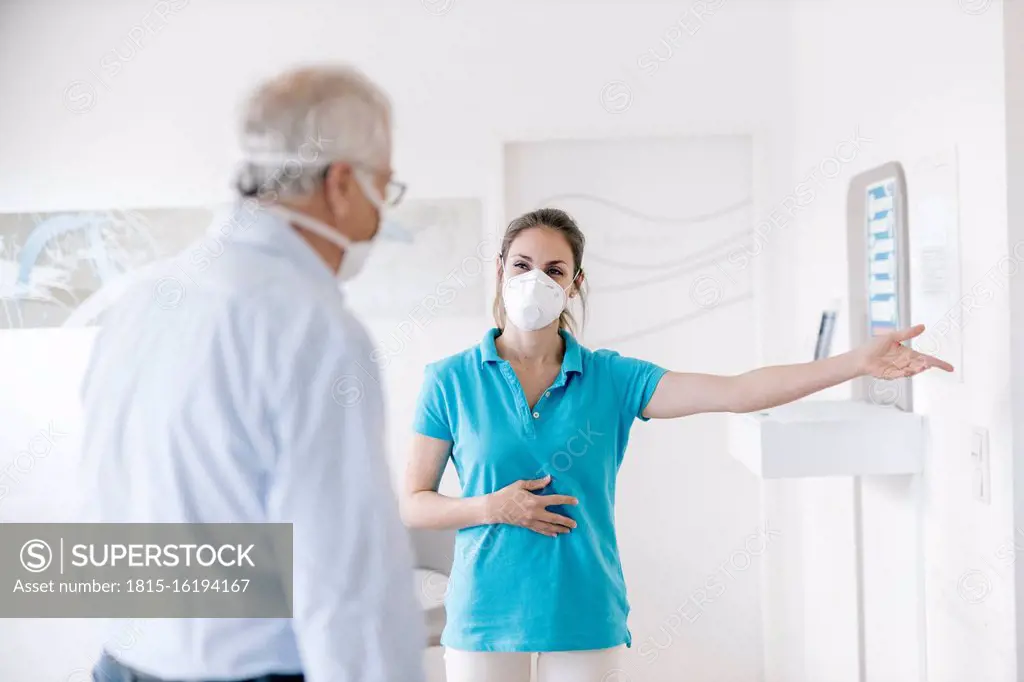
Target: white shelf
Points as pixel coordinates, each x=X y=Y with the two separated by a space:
x=818 y=438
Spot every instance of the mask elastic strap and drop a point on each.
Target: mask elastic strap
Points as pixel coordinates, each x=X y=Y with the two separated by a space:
x=312 y=225
x=573 y=282
x=501 y=264
x=370 y=191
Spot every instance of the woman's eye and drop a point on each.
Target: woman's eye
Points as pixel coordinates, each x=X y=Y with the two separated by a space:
x=554 y=272
x=521 y=265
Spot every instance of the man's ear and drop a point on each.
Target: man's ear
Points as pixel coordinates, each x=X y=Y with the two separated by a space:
x=338 y=183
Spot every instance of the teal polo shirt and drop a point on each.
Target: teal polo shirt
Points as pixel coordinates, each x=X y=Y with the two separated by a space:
x=512 y=589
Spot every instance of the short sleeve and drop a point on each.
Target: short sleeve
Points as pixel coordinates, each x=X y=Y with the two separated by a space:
x=431 y=411
x=636 y=380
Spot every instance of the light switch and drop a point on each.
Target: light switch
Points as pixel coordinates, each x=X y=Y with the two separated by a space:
x=977 y=443
x=981 y=481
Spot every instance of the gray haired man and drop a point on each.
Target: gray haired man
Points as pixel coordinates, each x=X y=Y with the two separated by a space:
x=238 y=389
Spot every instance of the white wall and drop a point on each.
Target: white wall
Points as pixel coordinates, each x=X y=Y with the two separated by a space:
x=465 y=77
x=1013 y=27
x=915 y=78
x=160 y=130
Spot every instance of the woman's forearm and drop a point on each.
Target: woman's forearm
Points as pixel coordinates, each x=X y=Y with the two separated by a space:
x=429 y=509
x=773 y=386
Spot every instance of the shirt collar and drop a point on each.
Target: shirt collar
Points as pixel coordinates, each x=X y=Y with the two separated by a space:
x=488 y=351
x=247 y=223
x=571 y=361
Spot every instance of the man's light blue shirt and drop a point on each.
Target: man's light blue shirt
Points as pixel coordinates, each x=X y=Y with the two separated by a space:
x=233 y=386
x=513 y=589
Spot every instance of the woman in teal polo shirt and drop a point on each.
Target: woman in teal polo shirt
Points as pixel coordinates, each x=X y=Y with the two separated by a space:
x=537 y=426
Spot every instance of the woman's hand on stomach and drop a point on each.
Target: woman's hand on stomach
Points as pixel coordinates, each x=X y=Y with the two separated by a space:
x=518 y=505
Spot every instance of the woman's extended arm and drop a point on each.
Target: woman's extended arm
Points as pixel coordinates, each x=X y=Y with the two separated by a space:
x=423 y=507
x=884 y=357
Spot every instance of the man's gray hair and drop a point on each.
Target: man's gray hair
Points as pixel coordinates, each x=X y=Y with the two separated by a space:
x=295 y=125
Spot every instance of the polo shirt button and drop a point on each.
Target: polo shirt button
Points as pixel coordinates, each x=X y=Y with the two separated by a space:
x=536 y=415
x=547 y=393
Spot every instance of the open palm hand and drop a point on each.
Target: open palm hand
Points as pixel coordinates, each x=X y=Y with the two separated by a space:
x=885 y=357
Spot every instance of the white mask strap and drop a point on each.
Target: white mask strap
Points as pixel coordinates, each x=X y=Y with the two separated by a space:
x=566 y=289
x=311 y=224
x=573 y=282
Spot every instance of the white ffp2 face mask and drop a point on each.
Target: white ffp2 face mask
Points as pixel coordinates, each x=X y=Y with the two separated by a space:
x=533 y=300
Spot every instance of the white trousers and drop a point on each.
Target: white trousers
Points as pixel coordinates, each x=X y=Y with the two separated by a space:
x=599 y=665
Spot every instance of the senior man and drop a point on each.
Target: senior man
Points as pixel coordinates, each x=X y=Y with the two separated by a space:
x=234 y=386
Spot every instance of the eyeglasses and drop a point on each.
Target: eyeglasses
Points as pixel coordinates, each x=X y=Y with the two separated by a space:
x=393 y=191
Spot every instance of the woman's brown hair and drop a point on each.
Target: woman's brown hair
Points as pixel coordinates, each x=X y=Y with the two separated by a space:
x=558 y=221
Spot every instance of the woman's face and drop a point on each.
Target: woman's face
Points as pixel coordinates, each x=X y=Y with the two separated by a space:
x=543 y=248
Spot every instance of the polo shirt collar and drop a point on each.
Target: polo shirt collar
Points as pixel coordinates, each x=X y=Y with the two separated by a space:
x=488 y=351
x=571 y=362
